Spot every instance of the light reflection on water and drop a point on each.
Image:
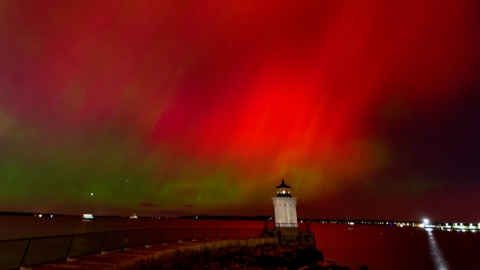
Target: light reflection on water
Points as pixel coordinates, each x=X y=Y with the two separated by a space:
x=435 y=253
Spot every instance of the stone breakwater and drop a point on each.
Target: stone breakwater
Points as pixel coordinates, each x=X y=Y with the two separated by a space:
x=183 y=255
x=257 y=253
x=274 y=257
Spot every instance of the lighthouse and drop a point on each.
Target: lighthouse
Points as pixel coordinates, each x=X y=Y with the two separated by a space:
x=286 y=228
x=285 y=207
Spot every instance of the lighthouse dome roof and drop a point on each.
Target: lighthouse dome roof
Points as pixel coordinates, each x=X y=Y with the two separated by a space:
x=283 y=185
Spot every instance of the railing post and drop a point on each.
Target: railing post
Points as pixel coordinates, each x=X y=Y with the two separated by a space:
x=103 y=241
x=146 y=237
x=193 y=231
x=25 y=253
x=163 y=236
x=125 y=239
x=69 y=247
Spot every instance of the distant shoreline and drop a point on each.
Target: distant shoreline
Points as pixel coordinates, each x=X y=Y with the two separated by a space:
x=432 y=225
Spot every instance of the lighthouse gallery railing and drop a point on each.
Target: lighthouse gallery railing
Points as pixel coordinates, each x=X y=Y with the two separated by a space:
x=271 y=225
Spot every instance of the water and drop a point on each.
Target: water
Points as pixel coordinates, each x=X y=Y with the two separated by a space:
x=379 y=247
x=384 y=247
x=25 y=227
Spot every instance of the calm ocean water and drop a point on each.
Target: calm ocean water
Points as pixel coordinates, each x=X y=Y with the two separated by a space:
x=379 y=247
x=384 y=247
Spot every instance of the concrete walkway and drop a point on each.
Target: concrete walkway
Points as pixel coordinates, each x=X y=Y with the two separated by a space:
x=183 y=255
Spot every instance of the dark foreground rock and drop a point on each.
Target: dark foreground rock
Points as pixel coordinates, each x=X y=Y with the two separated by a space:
x=272 y=257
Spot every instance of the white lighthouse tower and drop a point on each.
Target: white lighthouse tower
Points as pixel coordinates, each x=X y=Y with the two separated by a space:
x=285 y=208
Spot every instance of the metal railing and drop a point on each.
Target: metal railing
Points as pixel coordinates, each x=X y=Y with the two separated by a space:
x=40 y=250
x=271 y=225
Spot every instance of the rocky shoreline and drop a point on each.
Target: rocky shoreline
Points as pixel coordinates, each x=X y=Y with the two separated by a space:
x=273 y=257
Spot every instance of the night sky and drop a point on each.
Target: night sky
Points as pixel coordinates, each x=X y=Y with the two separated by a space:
x=202 y=107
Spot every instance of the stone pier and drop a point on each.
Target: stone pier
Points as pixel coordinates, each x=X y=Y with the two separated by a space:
x=183 y=255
